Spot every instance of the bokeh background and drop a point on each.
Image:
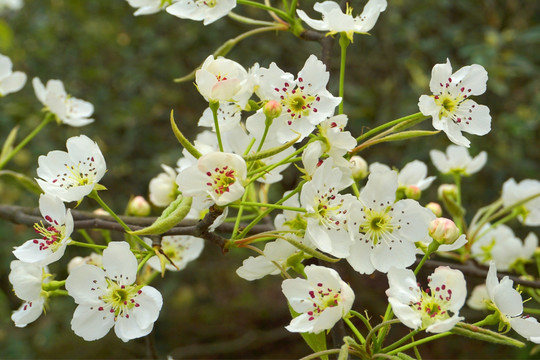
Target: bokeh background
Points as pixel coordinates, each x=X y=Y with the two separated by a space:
x=124 y=65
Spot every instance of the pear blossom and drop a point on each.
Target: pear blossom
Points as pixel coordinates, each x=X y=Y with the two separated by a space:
x=228 y=113
x=9 y=81
x=73 y=174
x=180 y=249
x=276 y=253
x=27 y=279
x=208 y=11
x=67 y=109
x=162 y=189
x=435 y=309
x=450 y=106
x=335 y=21
x=305 y=101
x=92 y=259
x=457 y=161
x=512 y=192
x=147 y=7
x=500 y=245
x=507 y=302
x=327 y=210
x=385 y=231
x=109 y=297
x=216 y=176
x=54 y=237
x=321 y=299
x=412 y=179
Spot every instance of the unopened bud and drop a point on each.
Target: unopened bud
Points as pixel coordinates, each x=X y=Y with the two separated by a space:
x=272 y=109
x=359 y=167
x=444 y=231
x=447 y=191
x=100 y=212
x=435 y=208
x=138 y=206
x=413 y=192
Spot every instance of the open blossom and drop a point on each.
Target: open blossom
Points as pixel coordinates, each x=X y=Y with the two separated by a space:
x=217 y=176
x=147 y=7
x=435 y=309
x=180 y=249
x=73 y=174
x=335 y=21
x=110 y=297
x=450 y=106
x=206 y=10
x=9 y=81
x=257 y=267
x=54 y=237
x=26 y=280
x=508 y=304
x=513 y=193
x=412 y=179
x=68 y=109
x=457 y=160
x=501 y=246
x=385 y=231
x=321 y=299
x=305 y=101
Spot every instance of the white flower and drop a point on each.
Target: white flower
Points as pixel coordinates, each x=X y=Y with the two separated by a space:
x=206 y=10
x=222 y=79
x=457 y=160
x=92 y=259
x=435 y=310
x=327 y=210
x=414 y=174
x=321 y=299
x=509 y=305
x=450 y=106
x=9 y=81
x=513 y=192
x=68 y=110
x=228 y=113
x=479 y=297
x=26 y=280
x=180 y=249
x=109 y=297
x=147 y=7
x=54 y=237
x=162 y=189
x=305 y=101
x=275 y=252
x=501 y=246
x=335 y=21
x=385 y=232
x=73 y=174
x=218 y=176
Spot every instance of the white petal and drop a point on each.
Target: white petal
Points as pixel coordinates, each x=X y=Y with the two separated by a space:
x=28 y=312
x=527 y=327
x=119 y=263
x=90 y=323
x=86 y=284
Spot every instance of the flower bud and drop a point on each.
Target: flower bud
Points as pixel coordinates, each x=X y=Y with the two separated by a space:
x=447 y=191
x=435 y=208
x=100 y=212
x=359 y=167
x=272 y=109
x=413 y=192
x=138 y=206
x=444 y=231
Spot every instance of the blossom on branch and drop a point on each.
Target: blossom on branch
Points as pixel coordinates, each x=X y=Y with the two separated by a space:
x=147 y=7
x=110 y=297
x=457 y=160
x=206 y=10
x=321 y=299
x=73 y=174
x=512 y=193
x=10 y=81
x=450 y=106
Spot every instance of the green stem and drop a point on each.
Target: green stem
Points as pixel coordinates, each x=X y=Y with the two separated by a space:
x=279 y=12
x=274 y=206
x=382 y=328
x=94 y=195
x=321 y=354
x=214 y=106
x=361 y=317
x=145 y=259
x=344 y=44
x=48 y=118
x=355 y=330
x=400 y=341
x=249 y=21
x=96 y=247
x=419 y=342
x=382 y=127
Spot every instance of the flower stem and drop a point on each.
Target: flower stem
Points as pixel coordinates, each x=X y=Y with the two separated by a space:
x=412 y=117
x=274 y=206
x=279 y=12
x=343 y=43
x=48 y=118
x=419 y=342
x=321 y=354
x=354 y=330
x=91 y=246
x=400 y=341
x=214 y=106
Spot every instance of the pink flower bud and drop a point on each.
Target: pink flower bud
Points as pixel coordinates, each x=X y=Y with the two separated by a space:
x=272 y=109
x=444 y=231
x=138 y=206
x=435 y=208
x=413 y=192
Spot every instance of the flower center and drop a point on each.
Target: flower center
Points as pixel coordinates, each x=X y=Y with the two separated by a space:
x=51 y=235
x=377 y=225
x=296 y=102
x=120 y=299
x=434 y=307
x=207 y=3
x=83 y=173
x=222 y=179
x=322 y=299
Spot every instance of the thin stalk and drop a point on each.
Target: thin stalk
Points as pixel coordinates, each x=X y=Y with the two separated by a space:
x=382 y=127
x=419 y=342
x=214 y=106
x=320 y=354
x=274 y=206
x=249 y=21
x=292 y=9
x=279 y=12
x=400 y=341
x=145 y=259
x=48 y=118
x=355 y=330
x=91 y=246
x=363 y=318
x=344 y=44
x=382 y=327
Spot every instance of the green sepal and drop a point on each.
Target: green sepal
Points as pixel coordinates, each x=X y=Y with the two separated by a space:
x=183 y=140
x=172 y=215
x=8 y=144
x=21 y=179
x=99 y=187
x=317 y=342
x=270 y=152
x=482 y=334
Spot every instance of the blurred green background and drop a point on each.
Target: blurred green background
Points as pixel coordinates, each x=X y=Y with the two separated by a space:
x=124 y=65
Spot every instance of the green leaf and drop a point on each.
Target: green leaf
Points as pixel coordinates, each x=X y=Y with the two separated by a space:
x=317 y=342
x=172 y=215
x=482 y=334
x=8 y=144
x=23 y=180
